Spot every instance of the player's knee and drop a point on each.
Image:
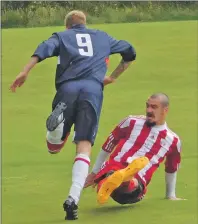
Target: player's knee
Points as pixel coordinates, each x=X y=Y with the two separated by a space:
x=119 y=197
x=129 y=194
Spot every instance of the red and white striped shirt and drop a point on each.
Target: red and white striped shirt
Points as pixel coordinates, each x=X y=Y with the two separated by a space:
x=133 y=138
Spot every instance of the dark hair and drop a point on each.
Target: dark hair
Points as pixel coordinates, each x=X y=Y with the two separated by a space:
x=163 y=98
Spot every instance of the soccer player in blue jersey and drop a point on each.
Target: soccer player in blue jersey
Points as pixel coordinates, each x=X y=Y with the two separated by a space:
x=80 y=77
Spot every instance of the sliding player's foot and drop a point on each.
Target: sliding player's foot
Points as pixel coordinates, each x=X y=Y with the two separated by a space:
x=71 y=209
x=115 y=180
x=56 y=117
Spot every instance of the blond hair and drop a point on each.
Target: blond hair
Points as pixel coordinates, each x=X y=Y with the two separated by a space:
x=75 y=17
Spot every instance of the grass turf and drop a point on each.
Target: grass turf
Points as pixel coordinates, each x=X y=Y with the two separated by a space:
x=35 y=183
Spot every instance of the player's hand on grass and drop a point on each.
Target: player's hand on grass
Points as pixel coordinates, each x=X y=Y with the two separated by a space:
x=108 y=80
x=175 y=199
x=19 y=81
x=90 y=180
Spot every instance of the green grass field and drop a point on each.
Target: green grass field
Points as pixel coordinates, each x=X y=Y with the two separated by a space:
x=36 y=183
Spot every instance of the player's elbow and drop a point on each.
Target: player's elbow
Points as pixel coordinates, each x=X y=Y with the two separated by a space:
x=129 y=55
x=36 y=57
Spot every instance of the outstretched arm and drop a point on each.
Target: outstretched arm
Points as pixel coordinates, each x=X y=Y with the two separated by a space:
x=22 y=76
x=171 y=167
x=48 y=48
x=171 y=179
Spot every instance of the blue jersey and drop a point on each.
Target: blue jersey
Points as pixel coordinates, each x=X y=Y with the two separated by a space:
x=82 y=53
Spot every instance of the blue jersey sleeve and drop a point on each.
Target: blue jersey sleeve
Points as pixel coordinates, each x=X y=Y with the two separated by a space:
x=48 y=48
x=126 y=50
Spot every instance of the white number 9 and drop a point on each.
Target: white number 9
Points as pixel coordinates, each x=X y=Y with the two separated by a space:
x=85 y=48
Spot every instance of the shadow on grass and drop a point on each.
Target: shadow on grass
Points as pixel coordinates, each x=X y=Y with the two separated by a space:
x=54 y=221
x=43 y=221
x=112 y=209
x=99 y=211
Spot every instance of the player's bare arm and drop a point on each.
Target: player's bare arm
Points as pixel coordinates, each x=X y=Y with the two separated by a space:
x=33 y=61
x=117 y=72
x=120 y=69
x=46 y=49
x=123 y=65
x=22 y=76
x=128 y=54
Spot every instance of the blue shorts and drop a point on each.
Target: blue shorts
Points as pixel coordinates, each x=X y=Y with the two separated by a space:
x=84 y=102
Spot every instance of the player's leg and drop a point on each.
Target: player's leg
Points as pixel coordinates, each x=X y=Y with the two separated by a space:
x=61 y=119
x=85 y=132
x=129 y=192
x=118 y=177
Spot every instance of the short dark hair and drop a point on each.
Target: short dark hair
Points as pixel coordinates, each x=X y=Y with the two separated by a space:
x=164 y=99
